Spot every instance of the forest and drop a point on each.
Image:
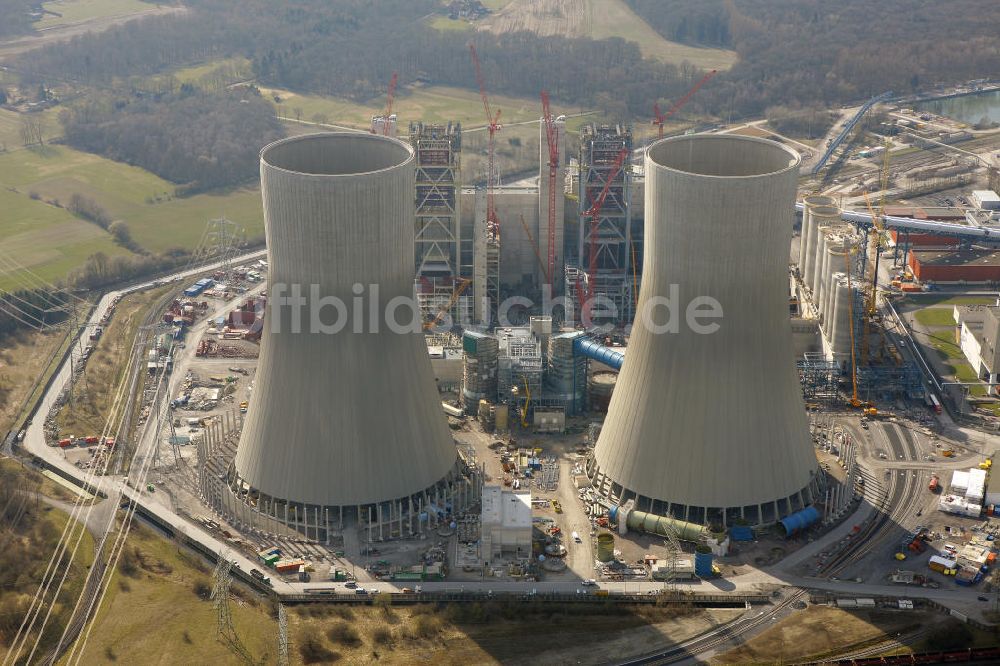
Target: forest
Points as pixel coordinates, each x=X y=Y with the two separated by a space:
x=350 y=49
x=798 y=53
x=16 y=17
x=792 y=53
x=198 y=140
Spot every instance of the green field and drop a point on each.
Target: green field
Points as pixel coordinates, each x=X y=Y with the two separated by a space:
x=52 y=242
x=432 y=104
x=599 y=19
x=920 y=300
x=936 y=317
x=943 y=340
x=77 y=11
x=445 y=23
x=11 y=122
x=45 y=238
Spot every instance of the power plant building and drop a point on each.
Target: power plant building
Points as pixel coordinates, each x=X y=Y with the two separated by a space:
x=505 y=523
x=346 y=426
x=707 y=423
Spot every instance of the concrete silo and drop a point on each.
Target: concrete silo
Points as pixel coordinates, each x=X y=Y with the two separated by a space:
x=810 y=233
x=703 y=426
x=345 y=425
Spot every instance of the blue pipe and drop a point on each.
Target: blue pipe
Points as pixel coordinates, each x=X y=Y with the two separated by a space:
x=594 y=350
x=800 y=520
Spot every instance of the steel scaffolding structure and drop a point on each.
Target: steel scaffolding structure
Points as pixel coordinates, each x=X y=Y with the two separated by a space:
x=437 y=238
x=819 y=376
x=604 y=249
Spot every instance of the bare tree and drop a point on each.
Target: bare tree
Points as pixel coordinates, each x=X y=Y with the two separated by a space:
x=32 y=129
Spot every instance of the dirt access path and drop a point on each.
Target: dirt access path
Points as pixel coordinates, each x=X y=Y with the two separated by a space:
x=61 y=33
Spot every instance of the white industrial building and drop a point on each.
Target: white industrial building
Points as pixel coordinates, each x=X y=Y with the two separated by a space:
x=993 y=489
x=987 y=199
x=965 y=494
x=505 y=523
x=979 y=331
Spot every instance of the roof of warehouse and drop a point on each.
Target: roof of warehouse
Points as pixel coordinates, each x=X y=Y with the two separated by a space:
x=956 y=257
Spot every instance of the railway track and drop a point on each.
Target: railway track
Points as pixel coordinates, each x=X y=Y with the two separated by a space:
x=879 y=648
x=901 y=487
x=721 y=637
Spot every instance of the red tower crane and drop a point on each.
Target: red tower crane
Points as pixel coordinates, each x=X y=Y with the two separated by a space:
x=595 y=220
x=552 y=137
x=661 y=118
x=390 y=98
x=493 y=126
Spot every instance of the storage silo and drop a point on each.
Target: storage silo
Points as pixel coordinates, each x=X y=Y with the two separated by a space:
x=807 y=240
x=479 y=369
x=346 y=423
x=707 y=423
x=822 y=270
x=847 y=298
x=821 y=214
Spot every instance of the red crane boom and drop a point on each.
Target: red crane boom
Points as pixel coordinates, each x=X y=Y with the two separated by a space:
x=388 y=103
x=661 y=118
x=493 y=126
x=595 y=219
x=552 y=137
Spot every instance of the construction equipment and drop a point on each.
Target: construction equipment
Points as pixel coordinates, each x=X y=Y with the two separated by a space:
x=463 y=283
x=877 y=235
x=384 y=118
x=552 y=137
x=391 y=97
x=493 y=126
x=595 y=219
x=855 y=401
x=661 y=118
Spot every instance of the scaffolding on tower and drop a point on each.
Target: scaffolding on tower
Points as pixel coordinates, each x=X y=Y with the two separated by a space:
x=605 y=227
x=437 y=239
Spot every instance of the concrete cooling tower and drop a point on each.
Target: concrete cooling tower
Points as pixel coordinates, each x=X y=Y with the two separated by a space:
x=344 y=425
x=711 y=427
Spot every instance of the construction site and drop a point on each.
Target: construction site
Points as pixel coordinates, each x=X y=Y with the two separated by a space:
x=539 y=423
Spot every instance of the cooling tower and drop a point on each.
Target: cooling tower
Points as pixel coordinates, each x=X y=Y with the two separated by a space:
x=342 y=420
x=711 y=426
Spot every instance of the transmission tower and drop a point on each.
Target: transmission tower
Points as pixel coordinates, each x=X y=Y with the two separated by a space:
x=222 y=241
x=224 y=618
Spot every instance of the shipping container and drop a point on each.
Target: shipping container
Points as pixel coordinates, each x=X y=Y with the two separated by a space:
x=288 y=566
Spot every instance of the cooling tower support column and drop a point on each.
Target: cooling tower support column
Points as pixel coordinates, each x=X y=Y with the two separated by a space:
x=346 y=419
x=708 y=425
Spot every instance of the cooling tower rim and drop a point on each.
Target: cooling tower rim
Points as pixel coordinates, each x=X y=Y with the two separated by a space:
x=405 y=155
x=824 y=210
x=811 y=200
x=766 y=145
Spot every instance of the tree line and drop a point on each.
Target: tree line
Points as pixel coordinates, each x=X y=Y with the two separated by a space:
x=198 y=140
x=16 y=17
x=792 y=53
x=800 y=53
x=350 y=49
